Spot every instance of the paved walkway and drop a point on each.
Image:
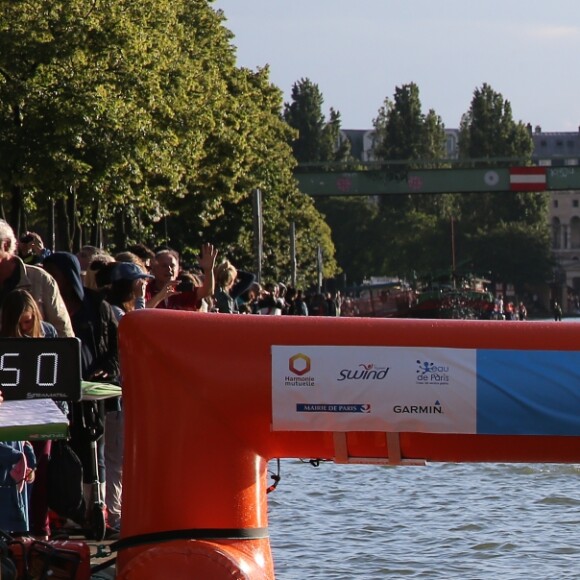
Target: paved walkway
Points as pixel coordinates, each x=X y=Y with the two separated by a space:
x=95 y=547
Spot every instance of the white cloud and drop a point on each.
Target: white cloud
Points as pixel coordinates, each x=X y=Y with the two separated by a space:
x=552 y=32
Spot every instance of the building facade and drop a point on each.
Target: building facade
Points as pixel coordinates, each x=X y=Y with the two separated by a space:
x=562 y=149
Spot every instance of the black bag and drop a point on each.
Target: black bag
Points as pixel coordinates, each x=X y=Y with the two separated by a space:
x=64 y=480
x=7 y=566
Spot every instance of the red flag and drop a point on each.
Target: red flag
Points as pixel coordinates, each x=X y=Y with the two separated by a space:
x=528 y=179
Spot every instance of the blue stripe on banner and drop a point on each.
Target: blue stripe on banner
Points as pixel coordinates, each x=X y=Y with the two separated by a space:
x=528 y=392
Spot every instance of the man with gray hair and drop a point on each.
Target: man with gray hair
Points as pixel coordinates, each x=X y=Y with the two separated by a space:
x=14 y=273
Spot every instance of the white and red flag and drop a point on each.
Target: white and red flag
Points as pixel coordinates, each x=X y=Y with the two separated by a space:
x=528 y=179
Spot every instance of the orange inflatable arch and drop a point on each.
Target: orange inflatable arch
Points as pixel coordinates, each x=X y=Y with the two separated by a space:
x=197 y=391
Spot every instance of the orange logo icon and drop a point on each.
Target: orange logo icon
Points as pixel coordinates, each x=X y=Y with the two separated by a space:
x=299 y=364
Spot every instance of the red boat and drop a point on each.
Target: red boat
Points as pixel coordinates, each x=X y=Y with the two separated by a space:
x=468 y=299
x=389 y=299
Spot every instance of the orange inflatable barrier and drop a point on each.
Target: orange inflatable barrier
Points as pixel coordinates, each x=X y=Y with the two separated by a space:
x=198 y=399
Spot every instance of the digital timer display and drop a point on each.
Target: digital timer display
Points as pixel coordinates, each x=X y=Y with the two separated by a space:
x=40 y=368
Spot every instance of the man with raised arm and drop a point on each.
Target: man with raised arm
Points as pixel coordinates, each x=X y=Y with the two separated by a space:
x=163 y=292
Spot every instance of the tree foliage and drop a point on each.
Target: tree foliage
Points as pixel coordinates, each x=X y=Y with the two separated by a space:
x=318 y=139
x=412 y=229
x=513 y=227
x=404 y=133
x=488 y=130
x=131 y=117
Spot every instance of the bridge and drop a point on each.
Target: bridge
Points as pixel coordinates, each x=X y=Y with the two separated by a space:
x=385 y=181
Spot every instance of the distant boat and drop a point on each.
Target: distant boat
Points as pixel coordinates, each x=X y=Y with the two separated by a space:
x=467 y=299
x=394 y=298
x=386 y=299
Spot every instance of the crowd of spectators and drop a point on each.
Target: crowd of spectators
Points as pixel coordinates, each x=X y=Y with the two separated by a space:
x=44 y=293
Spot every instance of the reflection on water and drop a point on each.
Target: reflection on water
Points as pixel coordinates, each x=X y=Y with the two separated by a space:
x=483 y=521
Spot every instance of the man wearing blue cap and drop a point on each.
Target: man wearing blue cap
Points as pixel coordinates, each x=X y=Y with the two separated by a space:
x=128 y=286
x=127 y=293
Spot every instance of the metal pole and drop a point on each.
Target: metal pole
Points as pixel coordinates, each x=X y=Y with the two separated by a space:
x=453 y=250
x=258 y=232
x=319 y=267
x=293 y=253
x=52 y=227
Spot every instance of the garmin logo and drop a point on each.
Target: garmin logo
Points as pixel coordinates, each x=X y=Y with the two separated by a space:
x=364 y=372
x=434 y=409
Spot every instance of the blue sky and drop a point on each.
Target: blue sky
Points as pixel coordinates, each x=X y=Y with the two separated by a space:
x=358 y=52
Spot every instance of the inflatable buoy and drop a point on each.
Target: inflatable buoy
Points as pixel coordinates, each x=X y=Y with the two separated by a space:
x=200 y=424
x=184 y=560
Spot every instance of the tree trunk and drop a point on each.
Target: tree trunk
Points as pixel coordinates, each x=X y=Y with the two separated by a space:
x=16 y=209
x=95 y=233
x=50 y=242
x=72 y=218
x=63 y=237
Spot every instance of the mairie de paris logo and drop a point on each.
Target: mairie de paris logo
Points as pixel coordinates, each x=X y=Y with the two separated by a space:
x=299 y=364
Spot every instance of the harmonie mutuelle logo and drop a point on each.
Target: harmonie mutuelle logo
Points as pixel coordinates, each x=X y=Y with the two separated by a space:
x=299 y=366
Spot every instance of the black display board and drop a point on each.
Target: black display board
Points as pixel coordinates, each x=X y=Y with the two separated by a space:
x=40 y=368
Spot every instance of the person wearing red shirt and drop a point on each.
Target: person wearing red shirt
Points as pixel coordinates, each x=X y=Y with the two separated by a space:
x=162 y=291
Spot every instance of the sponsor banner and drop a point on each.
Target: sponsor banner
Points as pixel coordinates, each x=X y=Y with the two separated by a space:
x=355 y=388
x=428 y=390
x=528 y=392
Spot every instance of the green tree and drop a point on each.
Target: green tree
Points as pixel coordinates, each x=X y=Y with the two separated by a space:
x=317 y=140
x=488 y=130
x=515 y=252
x=352 y=222
x=506 y=233
x=404 y=133
x=267 y=165
x=88 y=86
x=413 y=228
x=131 y=117
x=489 y=133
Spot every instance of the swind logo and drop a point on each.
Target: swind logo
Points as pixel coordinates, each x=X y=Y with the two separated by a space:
x=364 y=372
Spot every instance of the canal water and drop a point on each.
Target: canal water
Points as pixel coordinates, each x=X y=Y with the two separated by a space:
x=441 y=521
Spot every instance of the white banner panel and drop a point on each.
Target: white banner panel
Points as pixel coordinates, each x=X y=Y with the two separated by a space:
x=358 y=388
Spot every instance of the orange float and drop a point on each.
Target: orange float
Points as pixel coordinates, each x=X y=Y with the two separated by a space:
x=197 y=391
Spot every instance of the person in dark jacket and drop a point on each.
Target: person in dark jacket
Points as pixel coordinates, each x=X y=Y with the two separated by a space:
x=95 y=324
x=17 y=464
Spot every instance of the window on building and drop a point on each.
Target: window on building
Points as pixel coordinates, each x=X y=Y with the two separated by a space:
x=555 y=203
x=574 y=203
x=574 y=233
x=556 y=234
